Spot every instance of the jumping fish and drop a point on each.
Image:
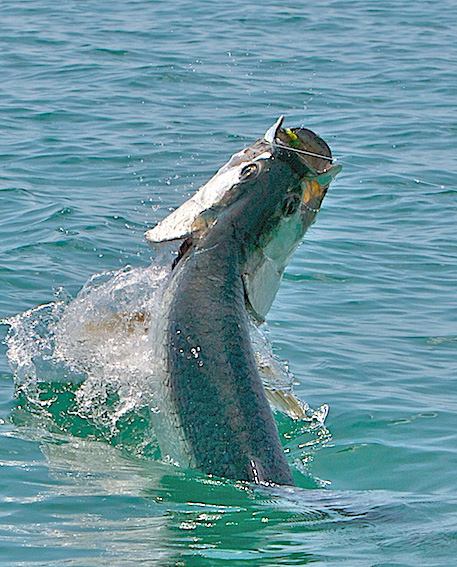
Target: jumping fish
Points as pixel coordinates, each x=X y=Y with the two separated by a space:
x=233 y=239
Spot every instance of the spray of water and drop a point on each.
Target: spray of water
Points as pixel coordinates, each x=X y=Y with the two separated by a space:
x=100 y=346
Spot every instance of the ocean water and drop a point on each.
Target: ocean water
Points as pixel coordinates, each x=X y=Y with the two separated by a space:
x=112 y=115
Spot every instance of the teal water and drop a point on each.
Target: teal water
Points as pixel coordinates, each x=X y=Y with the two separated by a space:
x=114 y=113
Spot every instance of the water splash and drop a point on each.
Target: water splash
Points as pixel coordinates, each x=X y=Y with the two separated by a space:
x=97 y=342
x=91 y=360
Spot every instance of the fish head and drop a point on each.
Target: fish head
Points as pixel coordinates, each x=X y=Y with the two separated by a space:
x=266 y=197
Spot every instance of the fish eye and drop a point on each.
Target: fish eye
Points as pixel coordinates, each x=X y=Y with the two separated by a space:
x=249 y=171
x=291 y=205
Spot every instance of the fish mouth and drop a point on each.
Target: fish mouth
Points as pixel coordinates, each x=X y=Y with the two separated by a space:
x=315 y=188
x=312 y=156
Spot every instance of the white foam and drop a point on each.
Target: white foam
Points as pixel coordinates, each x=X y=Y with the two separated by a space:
x=105 y=341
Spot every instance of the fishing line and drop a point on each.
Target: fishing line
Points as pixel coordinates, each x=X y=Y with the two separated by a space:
x=344 y=162
x=406 y=177
x=303 y=152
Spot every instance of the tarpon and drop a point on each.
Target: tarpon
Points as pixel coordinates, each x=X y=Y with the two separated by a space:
x=234 y=238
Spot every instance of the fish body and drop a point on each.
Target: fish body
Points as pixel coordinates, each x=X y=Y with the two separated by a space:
x=236 y=236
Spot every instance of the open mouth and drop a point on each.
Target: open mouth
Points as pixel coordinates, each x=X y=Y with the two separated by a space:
x=316 y=156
